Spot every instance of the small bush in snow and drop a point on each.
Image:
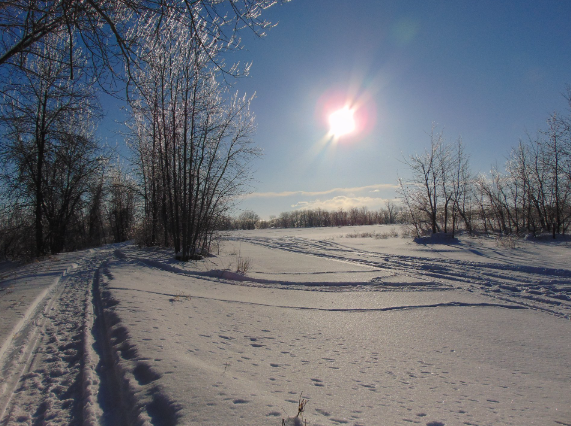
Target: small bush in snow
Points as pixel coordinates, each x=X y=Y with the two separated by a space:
x=297 y=420
x=393 y=233
x=357 y=235
x=408 y=232
x=507 y=241
x=243 y=264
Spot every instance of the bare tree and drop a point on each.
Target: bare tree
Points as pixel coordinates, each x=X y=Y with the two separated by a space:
x=192 y=139
x=556 y=157
x=495 y=201
x=73 y=167
x=463 y=189
x=422 y=193
x=440 y=187
x=120 y=204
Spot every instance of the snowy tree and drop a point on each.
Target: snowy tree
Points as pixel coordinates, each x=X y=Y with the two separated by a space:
x=248 y=220
x=191 y=137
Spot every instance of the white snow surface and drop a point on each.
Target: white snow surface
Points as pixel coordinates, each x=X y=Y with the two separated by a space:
x=369 y=331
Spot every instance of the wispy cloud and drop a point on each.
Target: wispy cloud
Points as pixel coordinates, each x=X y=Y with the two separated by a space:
x=354 y=190
x=341 y=202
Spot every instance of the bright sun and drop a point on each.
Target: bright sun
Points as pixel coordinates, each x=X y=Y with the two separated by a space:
x=341 y=122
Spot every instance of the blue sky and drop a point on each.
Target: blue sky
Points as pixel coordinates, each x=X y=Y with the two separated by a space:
x=486 y=71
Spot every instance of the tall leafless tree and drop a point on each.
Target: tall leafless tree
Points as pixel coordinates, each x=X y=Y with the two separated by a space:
x=191 y=137
x=439 y=188
x=422 y=193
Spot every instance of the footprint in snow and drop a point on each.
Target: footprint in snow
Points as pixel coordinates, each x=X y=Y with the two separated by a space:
x=323 y=412
x=144 y=374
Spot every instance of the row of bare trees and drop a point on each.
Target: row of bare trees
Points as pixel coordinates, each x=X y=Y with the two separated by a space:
x=532 y=195
x=50 y=157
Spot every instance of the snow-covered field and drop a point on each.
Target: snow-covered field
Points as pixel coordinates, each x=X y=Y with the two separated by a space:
x=368 y=331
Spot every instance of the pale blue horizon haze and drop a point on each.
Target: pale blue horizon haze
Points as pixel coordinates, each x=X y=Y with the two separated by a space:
x=486 y=71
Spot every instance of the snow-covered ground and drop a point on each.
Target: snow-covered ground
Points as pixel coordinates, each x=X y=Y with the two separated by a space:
x=369 y=331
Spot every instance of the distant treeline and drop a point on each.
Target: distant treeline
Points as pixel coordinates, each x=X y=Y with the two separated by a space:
x=393 y=213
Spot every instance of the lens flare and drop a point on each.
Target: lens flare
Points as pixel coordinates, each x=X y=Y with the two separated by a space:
x=349 y=117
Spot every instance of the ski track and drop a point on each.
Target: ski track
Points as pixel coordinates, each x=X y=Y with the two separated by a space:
x=544 y=289
x=42 y=360
x=70 y=341
x=68 y=360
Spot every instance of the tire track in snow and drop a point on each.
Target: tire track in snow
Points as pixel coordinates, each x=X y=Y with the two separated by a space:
x=544 y=289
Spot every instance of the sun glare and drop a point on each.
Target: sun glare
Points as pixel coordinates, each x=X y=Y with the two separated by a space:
x=341 y=122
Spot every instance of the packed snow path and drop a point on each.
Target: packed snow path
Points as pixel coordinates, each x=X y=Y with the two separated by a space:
x=44 y=315
x=120 y=335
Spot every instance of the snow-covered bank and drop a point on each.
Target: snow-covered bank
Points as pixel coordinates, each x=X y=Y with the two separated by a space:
x=370 y=332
